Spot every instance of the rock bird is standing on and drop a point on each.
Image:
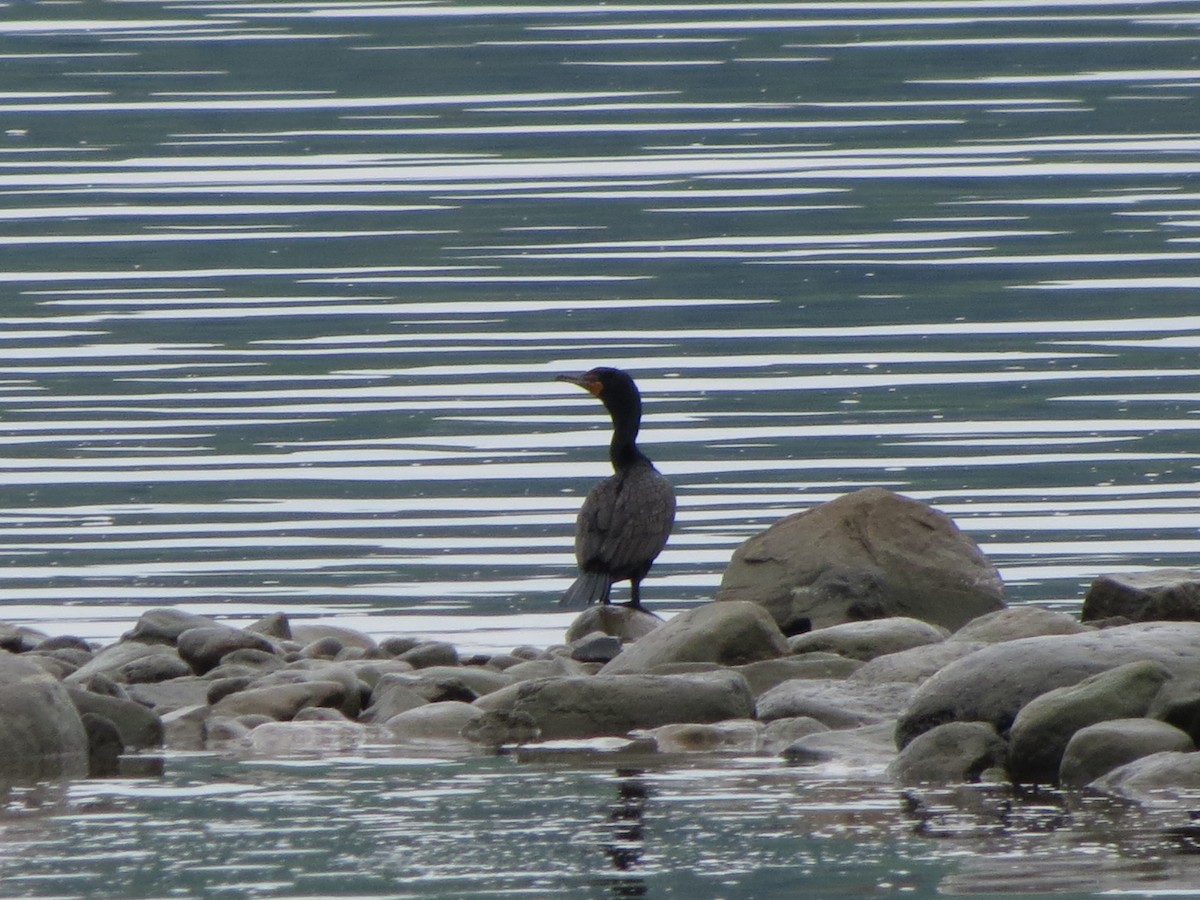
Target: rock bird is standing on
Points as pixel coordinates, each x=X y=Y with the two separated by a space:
x=626 y=519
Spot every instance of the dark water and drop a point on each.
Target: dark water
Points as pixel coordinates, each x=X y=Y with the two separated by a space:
x=283 y=287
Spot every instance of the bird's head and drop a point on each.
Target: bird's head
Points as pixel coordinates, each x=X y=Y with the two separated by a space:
x=604 y=382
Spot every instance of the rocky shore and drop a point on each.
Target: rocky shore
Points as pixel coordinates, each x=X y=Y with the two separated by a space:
x=894 y=679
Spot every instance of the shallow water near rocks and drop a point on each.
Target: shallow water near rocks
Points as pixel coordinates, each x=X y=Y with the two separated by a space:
x=283 y=287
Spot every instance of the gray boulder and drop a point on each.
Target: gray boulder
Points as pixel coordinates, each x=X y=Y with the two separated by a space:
x=726 y=633
x=993 y=683
x=580 y=707
x=430 y=653
x=1016 y=622
x=441 y=723
x=41 y=733
x=954 y=753
x=914 y=665
x=1172 y=594
x=281 y=701
x=1178 y=704
x=138 y=726
x=625 y=623
x=778 y=734
x=834 y=702
x=127 y=662
x=393 y=695
x=596 y=647
x=767 y=673
x=867 y=640
x=867 y=555
x=1043 y=728
x=308 y=632
x=1096 y=750
x=165 y=625
x=1156 y=779
x=865 y=747
x=203 y=648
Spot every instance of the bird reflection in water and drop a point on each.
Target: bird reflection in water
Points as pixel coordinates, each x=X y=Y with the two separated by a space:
x=624 y=832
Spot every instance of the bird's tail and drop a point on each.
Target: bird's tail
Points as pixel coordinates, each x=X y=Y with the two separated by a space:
x=589 y=588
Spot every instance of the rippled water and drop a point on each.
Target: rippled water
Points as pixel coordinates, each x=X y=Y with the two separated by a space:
x=283 y=287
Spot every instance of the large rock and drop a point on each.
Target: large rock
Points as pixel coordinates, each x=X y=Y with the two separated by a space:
x=128 y=662
x=441 y=723
x=954 y=753
x=726 y=633
x=833 y=702
x=624 y=622
x=915 y=665
x=867 y=555
x=281 y=701
x=41 y=733
x=164 y=625
x=580 y=707
x=1159 y=778
x=1043 y=728
x=1096 y=750
x=1016 y=622
x=867 y=640
x=138 y=726
x=1172 y=594
x=992 y=684
x=866 y=747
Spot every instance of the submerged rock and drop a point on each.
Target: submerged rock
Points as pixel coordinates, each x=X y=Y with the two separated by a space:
x=1159 y=778
x=867 y=555
x=41 y=733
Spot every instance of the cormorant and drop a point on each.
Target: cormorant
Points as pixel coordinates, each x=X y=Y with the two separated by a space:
x=626 y=519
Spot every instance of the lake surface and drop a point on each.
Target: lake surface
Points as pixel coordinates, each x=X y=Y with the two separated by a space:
x=284 y=286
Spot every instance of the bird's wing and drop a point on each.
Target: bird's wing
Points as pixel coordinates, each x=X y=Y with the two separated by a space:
x=625 y=523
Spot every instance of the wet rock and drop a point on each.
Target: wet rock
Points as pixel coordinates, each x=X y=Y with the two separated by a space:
x=779 y=734
x=20 y=639
x=622 y=622
x=1016 y=622
x=737 y=736
x=1158 y=778
x=165 y=696
x=249 y=657
x=767 y=673
x=595 y=647
x=430 y=653
x=870 y=554
x=184 y=728
x=1045 y=725
x=67 y=642
x=393 y=695
x=275 y=626
x=322 y=648
x=439 y=682
x=306 y=633
x=281 y=702
x=545 y=668
x=436 y=722
x=203 y=648
x=164 y=625
x=138 y=726
x=726 y=633
x=835 y=703
x=41 y=733
x=501 y=727
x=104 y=746
x=993 y=683
x=127 y=659
x=915 y=665
x=355 y=693
x=394 y=646
x=153 y=668
x=866 y=747
x=954 y=753
x=867 y=640
x=1161 y=594
x=579 y=707
x=305 y=738
x=1096 y=750
x=1178 y=704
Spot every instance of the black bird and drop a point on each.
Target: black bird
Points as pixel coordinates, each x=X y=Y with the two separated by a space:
x=626 y=519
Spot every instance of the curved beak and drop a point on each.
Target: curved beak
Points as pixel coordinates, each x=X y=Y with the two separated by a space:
x=587 y=381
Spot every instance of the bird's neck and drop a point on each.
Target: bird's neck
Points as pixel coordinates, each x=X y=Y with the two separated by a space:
x=623 y=451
